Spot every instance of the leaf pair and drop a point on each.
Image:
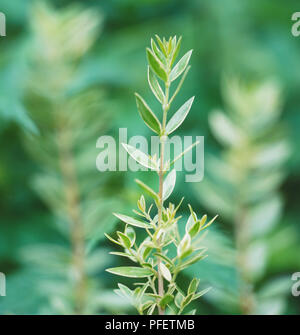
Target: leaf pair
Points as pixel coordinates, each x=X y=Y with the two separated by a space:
x=150 y=118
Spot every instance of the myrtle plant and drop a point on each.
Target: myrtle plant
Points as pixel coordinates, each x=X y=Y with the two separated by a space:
x=243 y=184
x=163 y=253
x=68 y=120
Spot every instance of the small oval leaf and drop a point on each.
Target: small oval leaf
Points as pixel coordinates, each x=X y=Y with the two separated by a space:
x=165 y=271
x=186 y=300
x=147 y=115
x=169 y=184
x=177 y=119
x=176 y=51
x=180 y=66
x=140 y=157
x=195 y=229
x=201 y=293
x=194 y=259
x=155 y=87
x=193 y=286
x=148 y=190
x=131 y=271
x=158 y=53
x=131 y=221
x=124 y=239
x=130 y=233
x=209 y=223
x=125 y=291
x=161 y=45
x=184 y=245
x=178 y=299
x=167 y=298
x=156 y=65
x=190 y=223
x=111 y=239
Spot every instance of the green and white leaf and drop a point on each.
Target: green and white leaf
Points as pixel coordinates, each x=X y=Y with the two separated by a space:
x=161 y=45
x=169 y=184
x=158 y=53
x=176 y=50
x=165 y=271
x=125 y=292
x=195 y=229
x=184 y=245
x=156 y=65
x=124 y=239
x=148 y=190
x=193 y=286
x=111 y=239
x=130 y=233
x=178 y=299
x=177 y=119
x=140 y=157
x=131 y=271
x=180 y=66
x=123 y=254
x=155 y=87
x=167 y=298
x=194 y=259
x=147 y=115
x=201 y=293
x=131 y=221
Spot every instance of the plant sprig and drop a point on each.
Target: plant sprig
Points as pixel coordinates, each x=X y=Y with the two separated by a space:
x=152 y=257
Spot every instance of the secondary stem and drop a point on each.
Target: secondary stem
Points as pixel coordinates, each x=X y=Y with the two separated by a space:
x=246 y=300
x=72 y=205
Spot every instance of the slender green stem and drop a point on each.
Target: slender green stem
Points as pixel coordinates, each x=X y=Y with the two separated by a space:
x=161 y=200
x=242 y=240
x=160 y=207
x=246 y=300
x=71 y=190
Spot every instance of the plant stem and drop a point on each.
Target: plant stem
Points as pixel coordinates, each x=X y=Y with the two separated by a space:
x=71 y=190
x=246 y=300
x=160 y=207
x=161 y=200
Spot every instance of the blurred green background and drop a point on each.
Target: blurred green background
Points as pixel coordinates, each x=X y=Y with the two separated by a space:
x=68 y=72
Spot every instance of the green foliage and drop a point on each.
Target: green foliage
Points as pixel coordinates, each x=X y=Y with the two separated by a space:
x=243 y=183
x=152 y=256
x=256 y=44
x=68 y=122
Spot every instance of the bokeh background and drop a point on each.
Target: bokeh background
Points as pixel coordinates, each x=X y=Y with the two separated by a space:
x=68 y=72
